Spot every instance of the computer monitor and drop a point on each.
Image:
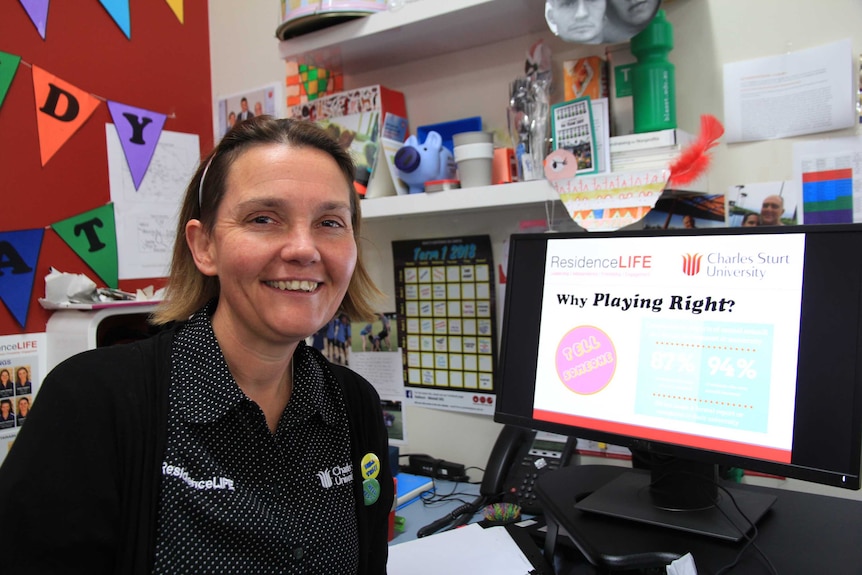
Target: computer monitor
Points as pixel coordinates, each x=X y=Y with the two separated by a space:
x=723 y=346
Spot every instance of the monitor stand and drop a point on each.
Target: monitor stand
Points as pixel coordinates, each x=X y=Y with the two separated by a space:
x=655 y=499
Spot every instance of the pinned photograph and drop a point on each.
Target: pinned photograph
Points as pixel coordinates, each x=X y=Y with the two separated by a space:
x=599 y=21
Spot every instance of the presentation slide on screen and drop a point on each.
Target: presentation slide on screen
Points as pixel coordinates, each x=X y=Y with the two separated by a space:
x=690 y=340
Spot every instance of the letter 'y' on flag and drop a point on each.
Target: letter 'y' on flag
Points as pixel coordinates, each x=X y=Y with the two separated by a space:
x=93 y=236
x=37 y=10
x=139 y=131
x=61 y=109
x=19 y=255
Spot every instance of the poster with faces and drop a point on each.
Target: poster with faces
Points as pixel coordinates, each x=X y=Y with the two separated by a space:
x=599 y=21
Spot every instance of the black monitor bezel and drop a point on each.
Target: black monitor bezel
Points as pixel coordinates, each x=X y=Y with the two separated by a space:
x=520 y=330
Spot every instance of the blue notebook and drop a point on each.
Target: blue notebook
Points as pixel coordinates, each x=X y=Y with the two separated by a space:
x=410 y=487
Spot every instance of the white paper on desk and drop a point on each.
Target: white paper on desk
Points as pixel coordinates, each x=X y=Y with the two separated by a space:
x=791 y=94
x=469 y=549
x=146 y=218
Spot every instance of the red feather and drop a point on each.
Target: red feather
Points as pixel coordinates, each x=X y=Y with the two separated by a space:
x=695 y=159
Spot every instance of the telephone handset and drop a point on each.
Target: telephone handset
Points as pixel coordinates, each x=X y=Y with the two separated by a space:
x=519 y=457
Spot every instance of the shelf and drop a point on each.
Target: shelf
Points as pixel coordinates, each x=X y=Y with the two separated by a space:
x=420 y=29
x=462 y=200
x=486 y=198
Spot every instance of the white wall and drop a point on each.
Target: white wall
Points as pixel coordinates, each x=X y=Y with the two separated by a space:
x=708 y=34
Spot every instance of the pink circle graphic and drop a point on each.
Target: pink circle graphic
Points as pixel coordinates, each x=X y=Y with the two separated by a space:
x=586 y=360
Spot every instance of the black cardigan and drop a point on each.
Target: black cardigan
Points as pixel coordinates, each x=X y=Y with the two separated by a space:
x=79 y=489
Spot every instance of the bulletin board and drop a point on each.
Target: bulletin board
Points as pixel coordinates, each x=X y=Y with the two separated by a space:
x=159 y=62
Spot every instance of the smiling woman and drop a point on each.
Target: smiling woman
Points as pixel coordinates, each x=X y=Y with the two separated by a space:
x=225 y=422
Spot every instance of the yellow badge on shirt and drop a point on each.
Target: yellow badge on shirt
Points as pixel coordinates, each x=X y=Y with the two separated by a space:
x=370 y=466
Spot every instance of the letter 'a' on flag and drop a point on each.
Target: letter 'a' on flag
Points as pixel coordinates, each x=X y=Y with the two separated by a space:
x=119 y=11
x=19 y=255
x=93 y=236
x=139 y=131
x=37 y=10
x=177 y=7
x=61 y=109
x=8 y=67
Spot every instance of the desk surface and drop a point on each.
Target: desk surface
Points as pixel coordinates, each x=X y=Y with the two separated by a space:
x=418 y=514
x=802 y=533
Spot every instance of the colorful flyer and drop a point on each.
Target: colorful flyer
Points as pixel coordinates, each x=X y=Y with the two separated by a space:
x=447 y=322
x=23 y=363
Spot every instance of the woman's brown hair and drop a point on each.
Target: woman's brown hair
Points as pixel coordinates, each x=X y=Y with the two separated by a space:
x=188 y=289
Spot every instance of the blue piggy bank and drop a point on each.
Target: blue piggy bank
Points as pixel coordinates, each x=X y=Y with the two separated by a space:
x=419 y=163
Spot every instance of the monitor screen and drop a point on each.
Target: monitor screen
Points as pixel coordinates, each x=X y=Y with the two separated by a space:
x=722 y=346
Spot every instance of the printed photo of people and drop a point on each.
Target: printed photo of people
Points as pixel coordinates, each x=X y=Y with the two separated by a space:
x=599 y=21
x=341 y=337
x=23 y=380
x=239 y=107
x=378 y=335
x=393 y=418
x=687 y=212
x=17 y=385
x=7 y=414
x=763 y=204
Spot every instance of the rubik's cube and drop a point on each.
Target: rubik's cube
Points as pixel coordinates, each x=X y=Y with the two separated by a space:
x=306 y=83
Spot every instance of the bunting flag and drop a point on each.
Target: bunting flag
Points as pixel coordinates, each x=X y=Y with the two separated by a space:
x=177 y=7
x=19 y=254
x=139 y=131
x=93 y=237
x=37 y=10
x=61 y=109
x=8 y=67
x=119 y=11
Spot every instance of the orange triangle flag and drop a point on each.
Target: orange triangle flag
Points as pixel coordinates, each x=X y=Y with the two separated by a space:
x=61 y=109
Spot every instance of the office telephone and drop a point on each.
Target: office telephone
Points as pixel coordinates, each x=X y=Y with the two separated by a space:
x=519 y=457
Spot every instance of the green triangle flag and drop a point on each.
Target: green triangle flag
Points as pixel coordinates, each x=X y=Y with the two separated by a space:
x=92 y=235
x=8 y=66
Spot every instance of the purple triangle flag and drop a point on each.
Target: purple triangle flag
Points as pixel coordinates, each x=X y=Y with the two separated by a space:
x=19 y=254
x=139 y=131
x=37 y=10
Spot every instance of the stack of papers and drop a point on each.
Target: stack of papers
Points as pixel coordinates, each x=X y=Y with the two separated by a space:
x=468 y=549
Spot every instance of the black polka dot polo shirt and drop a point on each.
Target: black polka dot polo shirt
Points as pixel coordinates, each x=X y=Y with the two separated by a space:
x=236 y=498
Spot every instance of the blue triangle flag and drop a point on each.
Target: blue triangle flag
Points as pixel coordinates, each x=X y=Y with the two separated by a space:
x=19 y=254
x=119 y=11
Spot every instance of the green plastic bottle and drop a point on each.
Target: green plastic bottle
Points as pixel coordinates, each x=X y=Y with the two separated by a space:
x=653 y=81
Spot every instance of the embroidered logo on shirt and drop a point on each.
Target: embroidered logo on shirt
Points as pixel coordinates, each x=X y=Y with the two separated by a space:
x=183 y=475
x=338 y=475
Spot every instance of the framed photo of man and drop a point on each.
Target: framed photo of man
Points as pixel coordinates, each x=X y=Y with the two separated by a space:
x=241 y=106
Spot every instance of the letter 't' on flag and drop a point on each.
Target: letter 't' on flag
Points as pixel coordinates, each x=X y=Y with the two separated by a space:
x=93 y=236
x=19 y=254
x=177 y=7
x=139 y=131
x=8 y=67
x=119 y=11
x=37 y=10
x=61 y=109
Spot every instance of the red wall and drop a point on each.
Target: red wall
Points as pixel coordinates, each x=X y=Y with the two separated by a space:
x=164 y=67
